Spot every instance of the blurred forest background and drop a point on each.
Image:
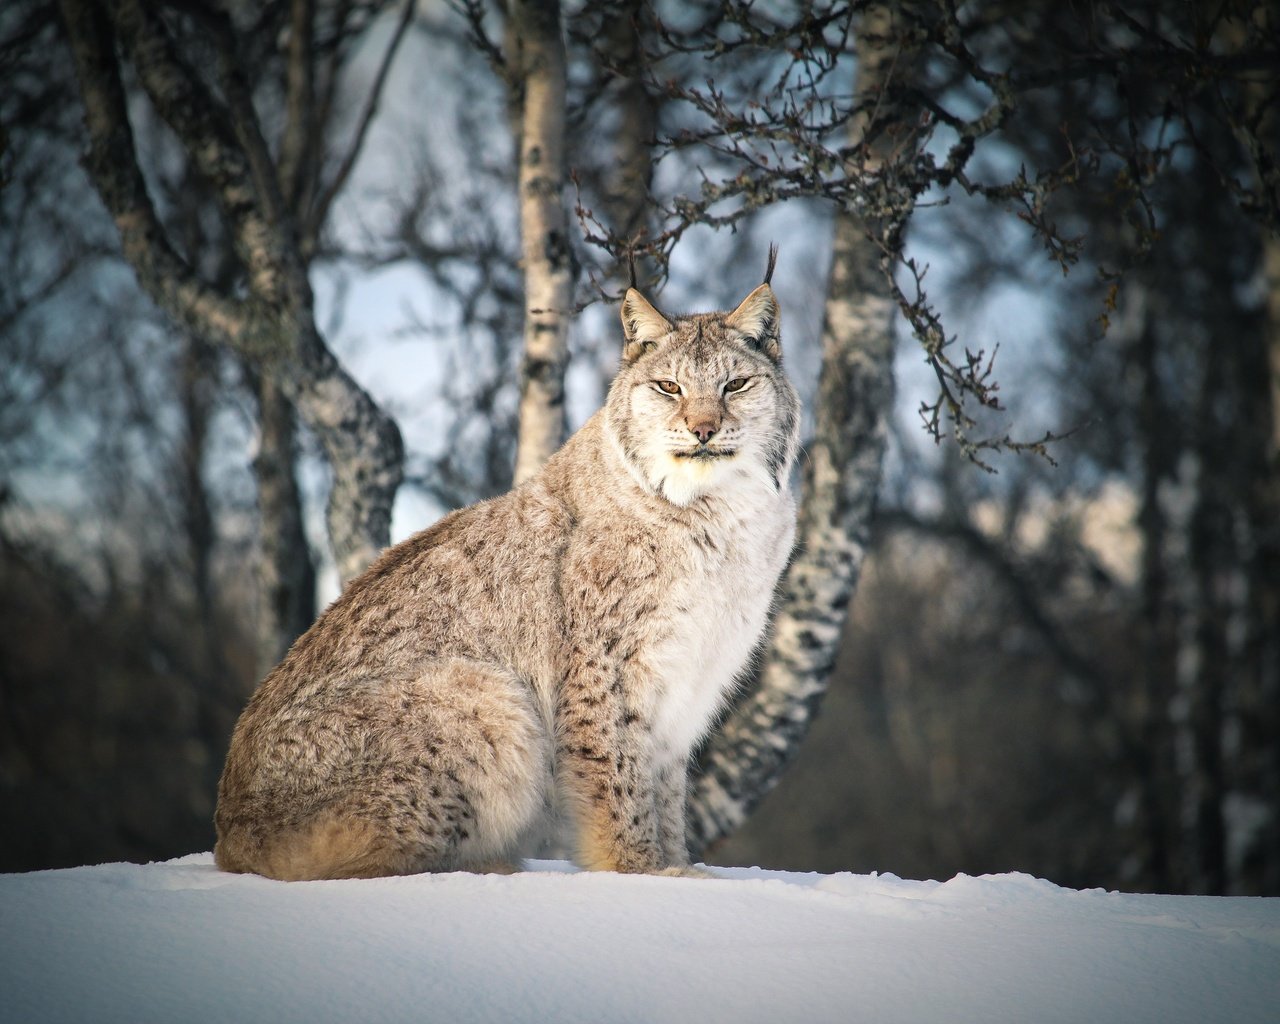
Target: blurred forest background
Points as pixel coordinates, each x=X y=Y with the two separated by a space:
x=266 y=307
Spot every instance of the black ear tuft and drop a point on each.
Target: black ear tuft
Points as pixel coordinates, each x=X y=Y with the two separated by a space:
x=756 y=319
x=631 y=268
x=773 y=259
x=642 y=326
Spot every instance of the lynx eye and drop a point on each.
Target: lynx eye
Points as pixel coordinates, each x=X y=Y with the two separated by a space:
x=737 y=384
x=670 y=387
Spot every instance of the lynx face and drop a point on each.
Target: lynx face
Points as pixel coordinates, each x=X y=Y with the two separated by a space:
x=700 y=405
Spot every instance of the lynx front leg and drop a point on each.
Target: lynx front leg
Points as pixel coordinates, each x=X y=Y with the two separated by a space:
x=606 y=770
x=671 y=792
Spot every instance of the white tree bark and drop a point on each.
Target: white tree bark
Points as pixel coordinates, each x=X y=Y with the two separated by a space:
x=544 y=233
x=271 y=325
x=855 y=397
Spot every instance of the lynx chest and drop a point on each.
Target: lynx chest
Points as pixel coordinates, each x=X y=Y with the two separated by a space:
x=718 y=609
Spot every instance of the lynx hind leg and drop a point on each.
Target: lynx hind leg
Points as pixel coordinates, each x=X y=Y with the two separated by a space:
x=452 y=769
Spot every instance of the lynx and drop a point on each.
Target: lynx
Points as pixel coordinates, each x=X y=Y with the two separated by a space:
x=547 y=659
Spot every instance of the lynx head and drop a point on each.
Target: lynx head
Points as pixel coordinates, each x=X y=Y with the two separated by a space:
x=700 y=404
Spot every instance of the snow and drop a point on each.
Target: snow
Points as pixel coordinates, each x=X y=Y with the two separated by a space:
x=183 y=942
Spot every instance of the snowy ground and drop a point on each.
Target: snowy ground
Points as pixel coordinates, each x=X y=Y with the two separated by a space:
x=181 y=942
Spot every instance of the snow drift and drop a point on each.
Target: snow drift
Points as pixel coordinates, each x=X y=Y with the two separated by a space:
x=183 y=942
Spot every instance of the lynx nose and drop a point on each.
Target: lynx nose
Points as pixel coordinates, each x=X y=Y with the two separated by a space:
x=703 y=430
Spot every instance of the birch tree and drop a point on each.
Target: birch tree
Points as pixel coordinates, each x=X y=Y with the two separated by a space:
x=1262 y=694
x=274 y=213
x=753 y=147
x=1258 y=131
x=842 y=474
x=868 y=113
x=539 y=80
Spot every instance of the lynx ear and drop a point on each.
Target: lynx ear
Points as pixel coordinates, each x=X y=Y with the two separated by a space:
x=642 y=325
x=757 y=319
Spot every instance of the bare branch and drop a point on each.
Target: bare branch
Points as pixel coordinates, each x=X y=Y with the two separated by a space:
x=208 y=135
x=297 y=146
x=113 y=166
x=746 y=757
x=319 y=211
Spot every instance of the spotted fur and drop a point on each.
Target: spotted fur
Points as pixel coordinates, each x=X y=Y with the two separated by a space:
x=547 y=660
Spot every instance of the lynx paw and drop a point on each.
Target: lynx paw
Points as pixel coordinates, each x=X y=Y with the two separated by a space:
x=499 y=866
x=687 y=871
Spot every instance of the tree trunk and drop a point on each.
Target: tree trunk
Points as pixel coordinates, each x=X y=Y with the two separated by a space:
x=271 y=326
x=746 y=757
x=286 y=574
x=544 y=234
x=627 y=179
x=1266 y=600
x=1259 y=696
x=1152 y=776
x=1202 y=658
x=195 y=391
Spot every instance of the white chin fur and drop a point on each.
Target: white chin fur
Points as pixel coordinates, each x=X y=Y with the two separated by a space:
x=687 y=480
x=684 y=481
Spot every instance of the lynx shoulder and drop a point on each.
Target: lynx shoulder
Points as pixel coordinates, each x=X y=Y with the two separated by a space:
x=549 y=658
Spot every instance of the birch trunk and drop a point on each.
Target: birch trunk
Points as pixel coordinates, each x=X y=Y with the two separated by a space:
x=544 y=233
x=1198 y=707
x=746 y=757
x=627 y=179
x=272 y=324
x=1266 y=595
x=1154 y=787
x=196 y=400
x=286 y=573
x=1260 y=701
